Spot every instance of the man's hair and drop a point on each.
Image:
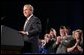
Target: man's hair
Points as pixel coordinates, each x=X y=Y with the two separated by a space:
x=62 y=27
x=30 y=7
x=51 y=29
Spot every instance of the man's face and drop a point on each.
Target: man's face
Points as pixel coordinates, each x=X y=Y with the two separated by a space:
x=26 y=11
x=66 y=31
x=62 y=32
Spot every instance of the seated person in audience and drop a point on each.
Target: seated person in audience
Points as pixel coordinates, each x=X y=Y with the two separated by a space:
x=76 y=45
x=43 y=43
x=62 y=41
x=53 y=36
x=48 y=40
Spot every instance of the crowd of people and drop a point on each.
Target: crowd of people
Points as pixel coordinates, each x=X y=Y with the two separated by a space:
x=65 y=43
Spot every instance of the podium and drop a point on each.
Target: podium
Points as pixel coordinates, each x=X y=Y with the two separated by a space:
x=11 y=41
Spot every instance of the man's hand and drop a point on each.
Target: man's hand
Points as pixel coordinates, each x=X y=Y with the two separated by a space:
x=23 y=33
x=58 y=40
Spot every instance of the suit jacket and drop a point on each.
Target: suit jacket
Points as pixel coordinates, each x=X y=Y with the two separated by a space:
x=33 y=27
x=63 y=45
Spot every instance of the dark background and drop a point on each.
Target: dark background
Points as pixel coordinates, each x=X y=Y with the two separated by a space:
x=51 y=13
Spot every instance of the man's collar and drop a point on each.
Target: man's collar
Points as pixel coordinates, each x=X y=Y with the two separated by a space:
x=29 y=16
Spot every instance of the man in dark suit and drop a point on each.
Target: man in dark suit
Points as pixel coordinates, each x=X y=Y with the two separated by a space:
x=32 y=30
